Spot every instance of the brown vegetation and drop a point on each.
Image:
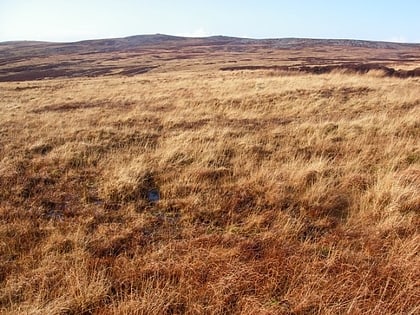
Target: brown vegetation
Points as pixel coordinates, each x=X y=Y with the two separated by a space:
x=197 y=191
x=358 y=68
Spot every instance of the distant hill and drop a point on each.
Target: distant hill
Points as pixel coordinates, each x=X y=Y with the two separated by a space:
x=139 y=41
x=32 y=60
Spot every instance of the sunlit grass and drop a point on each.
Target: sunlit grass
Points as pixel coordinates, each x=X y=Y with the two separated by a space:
x=279 y=194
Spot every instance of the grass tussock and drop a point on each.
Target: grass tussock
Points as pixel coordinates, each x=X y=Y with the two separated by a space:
x=210 y=193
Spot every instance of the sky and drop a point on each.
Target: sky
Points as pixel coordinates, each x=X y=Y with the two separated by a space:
x=73 y=20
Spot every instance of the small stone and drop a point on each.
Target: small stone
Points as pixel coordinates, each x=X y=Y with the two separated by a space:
x=153 y=195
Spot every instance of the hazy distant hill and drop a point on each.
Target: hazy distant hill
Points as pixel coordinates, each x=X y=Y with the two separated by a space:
x=139 y=41
x=32 y=60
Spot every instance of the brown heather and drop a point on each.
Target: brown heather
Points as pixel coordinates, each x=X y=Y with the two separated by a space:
x=279 y=194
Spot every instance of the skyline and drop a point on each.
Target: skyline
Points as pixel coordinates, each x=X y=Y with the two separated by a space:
x=63 y=21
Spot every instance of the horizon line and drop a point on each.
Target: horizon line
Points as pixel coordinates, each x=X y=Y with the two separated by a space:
x=204 y=37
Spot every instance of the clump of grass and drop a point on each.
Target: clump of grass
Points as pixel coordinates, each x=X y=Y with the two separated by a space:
x=128 y=183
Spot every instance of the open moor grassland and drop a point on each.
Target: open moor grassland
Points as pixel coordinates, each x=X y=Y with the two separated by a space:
x=279 y=194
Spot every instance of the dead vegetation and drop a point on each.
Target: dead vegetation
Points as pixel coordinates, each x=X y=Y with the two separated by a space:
x=355 y=68
x=211 y=192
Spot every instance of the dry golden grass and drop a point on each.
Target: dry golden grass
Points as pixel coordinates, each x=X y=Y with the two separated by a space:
x=279 y=194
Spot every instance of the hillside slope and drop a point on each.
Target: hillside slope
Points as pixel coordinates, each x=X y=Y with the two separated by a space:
x=139 y=54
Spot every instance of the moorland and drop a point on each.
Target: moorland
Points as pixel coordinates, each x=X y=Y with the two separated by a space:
x=167 y=175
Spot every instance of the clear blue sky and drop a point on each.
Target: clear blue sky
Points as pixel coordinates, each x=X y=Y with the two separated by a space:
x=71 y=20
